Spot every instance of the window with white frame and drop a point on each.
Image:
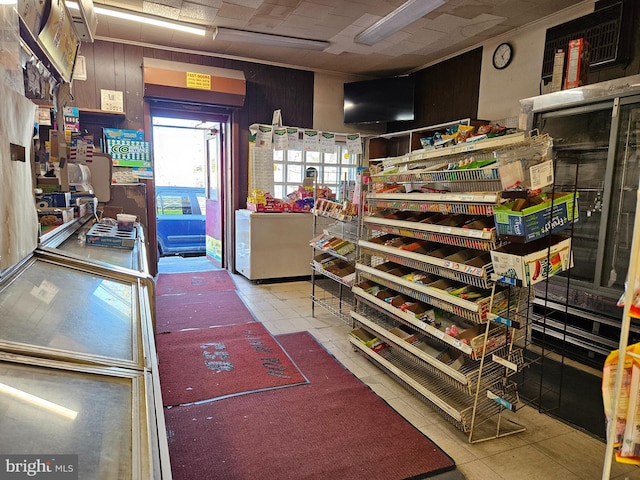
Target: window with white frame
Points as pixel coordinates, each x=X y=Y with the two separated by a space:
x=334 y=169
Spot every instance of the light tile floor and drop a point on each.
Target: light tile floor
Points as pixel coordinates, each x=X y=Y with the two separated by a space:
x=548 y=449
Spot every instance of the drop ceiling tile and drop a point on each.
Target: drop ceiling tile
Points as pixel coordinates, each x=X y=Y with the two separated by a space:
x=208 y=3
x=264 y=24
x=135 y=5
x=245 y=3
x=269 y=10
x=283 y=3
x=425 y=36
x=365 y=21
x=480 y=24
x=338 y=21
x=472 y=11
x=161 y=10
x=168 y=3
x=198 y=12
x=236 y=12
x=313 y=10
x=511 y=9
x=447 y=23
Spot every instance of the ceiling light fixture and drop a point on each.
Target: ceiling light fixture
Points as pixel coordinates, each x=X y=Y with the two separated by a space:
x=233 y=35
x=404 y=15
x=146 y=19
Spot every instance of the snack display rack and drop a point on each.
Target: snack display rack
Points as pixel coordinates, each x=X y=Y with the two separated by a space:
x=333 y=270
x=429 y=310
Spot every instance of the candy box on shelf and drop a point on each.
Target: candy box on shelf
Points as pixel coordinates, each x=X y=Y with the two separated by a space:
x=49 y=216
x=552 y=213
x=265 y=208
x=533 y=262
x=408 y=337
x=374 y=343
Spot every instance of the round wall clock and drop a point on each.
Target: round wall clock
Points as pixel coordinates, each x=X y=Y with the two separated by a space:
x=502 y=55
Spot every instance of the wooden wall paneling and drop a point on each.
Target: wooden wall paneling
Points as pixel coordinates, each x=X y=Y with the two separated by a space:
x=84 y=91
x=133 y=88
x=268 y=88
x=119 y=71
x=105 y=75
x=446 y=91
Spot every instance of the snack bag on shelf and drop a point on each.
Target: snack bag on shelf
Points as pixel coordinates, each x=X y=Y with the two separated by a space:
x=625 y=394
x=630 y=448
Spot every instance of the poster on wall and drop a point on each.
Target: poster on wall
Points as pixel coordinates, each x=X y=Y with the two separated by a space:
x=264 y=136
x=293 y=139
x=59 y=39
x=354 y=143
x=328 y=142
x=311 y=140
x=280 y=139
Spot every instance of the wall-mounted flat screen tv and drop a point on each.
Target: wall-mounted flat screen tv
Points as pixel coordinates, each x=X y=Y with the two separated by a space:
x=379 y=100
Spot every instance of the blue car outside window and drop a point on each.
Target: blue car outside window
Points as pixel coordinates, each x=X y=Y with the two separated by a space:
x=181 y=219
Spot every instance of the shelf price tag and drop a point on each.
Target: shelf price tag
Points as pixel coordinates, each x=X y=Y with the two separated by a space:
x=506 y=404
x=423 y=325
x=439 y=334
x=505 y=363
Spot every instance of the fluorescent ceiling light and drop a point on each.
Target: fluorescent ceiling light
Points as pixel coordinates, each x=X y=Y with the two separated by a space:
x=233 y=35
x=146 y=19
x=402 y=16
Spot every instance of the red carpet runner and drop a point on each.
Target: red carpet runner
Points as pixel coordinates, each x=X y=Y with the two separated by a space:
x=207 y=364
x=200 y=310
x=335 y=427
x=194 y=282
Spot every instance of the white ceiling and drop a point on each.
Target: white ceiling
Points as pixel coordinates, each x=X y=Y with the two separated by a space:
x=454 y=27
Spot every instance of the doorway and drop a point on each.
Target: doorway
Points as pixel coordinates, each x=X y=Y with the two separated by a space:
x=189 y=185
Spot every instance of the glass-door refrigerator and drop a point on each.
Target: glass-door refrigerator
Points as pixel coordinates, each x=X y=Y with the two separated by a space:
x=595 y=130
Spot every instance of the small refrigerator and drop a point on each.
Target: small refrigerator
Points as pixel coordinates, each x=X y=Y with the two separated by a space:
x=273 y=245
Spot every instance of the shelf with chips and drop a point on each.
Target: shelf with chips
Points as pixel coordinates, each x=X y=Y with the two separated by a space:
x=425 y=267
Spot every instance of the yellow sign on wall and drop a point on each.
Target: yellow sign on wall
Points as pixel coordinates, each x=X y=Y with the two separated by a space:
x=201 y=81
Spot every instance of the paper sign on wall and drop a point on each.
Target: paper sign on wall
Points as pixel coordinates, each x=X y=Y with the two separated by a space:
x=328 y=142
x=280 y=139
x=311 y=140
x=264 y=136
x=354 y=143
x=293 y=139
x=199 y=81
x=111 y=101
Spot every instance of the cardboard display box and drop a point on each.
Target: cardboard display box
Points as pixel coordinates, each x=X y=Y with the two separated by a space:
x=577 y=66
x=533 y=262
x=102 y=235
x=54 y=216
x=370 y=341
x=536 y=221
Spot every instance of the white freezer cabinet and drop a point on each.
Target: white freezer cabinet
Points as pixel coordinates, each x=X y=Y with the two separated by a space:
x=273 y=245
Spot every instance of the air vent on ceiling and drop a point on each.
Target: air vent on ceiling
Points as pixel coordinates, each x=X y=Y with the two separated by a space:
x=604 y=29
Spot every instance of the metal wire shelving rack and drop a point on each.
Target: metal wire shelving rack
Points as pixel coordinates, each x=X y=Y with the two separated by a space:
x=467 y=378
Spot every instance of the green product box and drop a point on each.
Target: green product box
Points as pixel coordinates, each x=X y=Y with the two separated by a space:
x=553 y=215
